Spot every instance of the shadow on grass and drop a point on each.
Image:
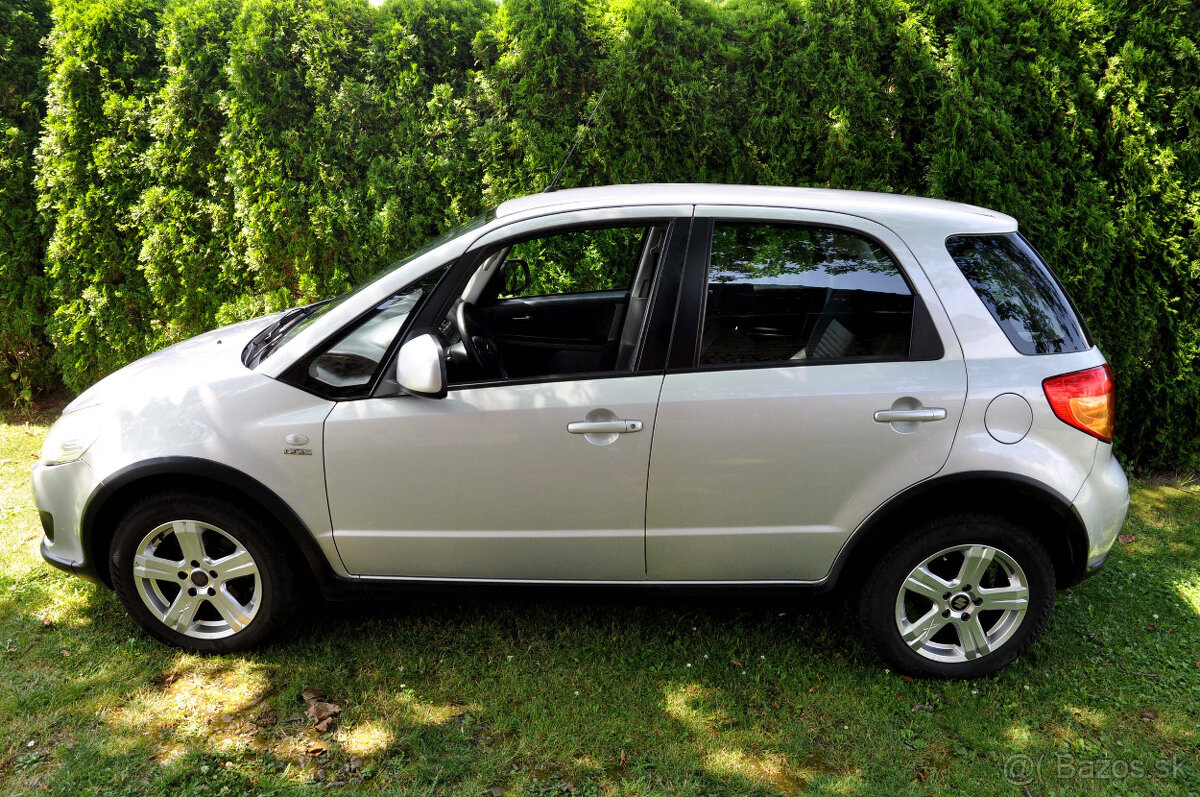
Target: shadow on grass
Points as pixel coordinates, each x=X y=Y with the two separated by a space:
x=579 y=692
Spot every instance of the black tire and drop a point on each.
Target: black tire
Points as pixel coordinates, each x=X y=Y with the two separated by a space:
x=275 y=595
x=878 y=609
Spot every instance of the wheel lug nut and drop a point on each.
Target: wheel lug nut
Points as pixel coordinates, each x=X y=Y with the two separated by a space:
x=212 y=591
x=212 y=573
x=946 y=613
x=182 y=575
x=192 y=591
x=946 y=597
x=966 y=616
x=978 y=601
x=195 y=563
x=966 y=587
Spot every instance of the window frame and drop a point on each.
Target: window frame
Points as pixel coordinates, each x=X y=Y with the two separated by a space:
x=650 y=356
x=924 y=343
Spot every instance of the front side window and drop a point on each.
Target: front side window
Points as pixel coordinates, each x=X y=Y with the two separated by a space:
x=579 y=261
x=1020 y=292
x=788 y=293
x=563 y=304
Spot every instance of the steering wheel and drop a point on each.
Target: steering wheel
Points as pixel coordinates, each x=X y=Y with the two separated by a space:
x=479 y=342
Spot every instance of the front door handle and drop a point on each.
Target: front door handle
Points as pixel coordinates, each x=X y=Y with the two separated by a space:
x=911 y=416
x=616 y=426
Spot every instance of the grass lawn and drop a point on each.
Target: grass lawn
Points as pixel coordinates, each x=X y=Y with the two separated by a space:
x=558 y=695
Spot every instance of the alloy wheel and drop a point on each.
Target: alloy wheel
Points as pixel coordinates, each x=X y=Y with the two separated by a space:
x=962 y=603
x=197 y=579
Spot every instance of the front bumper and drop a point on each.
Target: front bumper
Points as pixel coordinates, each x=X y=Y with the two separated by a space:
x=61 y=492
x=1102 y=504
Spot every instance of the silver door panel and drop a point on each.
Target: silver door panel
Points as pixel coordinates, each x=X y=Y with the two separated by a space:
x=489 y=482
x=763 y=473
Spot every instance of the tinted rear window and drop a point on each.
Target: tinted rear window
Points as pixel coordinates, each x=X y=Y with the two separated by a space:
x=781 y=293
x=1020 y=292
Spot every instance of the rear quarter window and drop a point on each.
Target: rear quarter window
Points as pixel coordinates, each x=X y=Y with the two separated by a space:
x=1020 y=292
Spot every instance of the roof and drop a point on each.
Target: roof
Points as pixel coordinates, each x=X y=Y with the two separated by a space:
x=887 y=209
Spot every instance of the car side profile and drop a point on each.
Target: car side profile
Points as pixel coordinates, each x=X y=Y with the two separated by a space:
x=637 y=385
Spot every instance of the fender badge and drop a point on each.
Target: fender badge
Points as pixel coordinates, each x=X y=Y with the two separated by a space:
x=304 y=452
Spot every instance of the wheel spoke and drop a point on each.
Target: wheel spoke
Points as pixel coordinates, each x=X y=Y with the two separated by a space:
x=230 y=610
x=1014 y=597
x=237 y=564
x=181 y=611
x=155 y=568
x=976 y=561
x=926 y=583
x=973 y=638
x=190 y=541
x=923 y=630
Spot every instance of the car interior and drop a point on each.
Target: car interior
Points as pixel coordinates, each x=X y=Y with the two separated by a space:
x=560 y=305
x=772 y=323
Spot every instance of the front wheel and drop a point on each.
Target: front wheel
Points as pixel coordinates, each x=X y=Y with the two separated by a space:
x=199 y=573
x=961 y=598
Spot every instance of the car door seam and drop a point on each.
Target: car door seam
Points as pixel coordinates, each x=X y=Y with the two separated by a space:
x=646 y=492
x=325 y=481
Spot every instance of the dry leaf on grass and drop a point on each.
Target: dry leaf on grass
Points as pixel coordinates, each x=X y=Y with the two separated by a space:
x=322 y=712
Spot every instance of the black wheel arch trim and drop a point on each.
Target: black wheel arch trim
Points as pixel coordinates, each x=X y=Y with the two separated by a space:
x=1075 y=533
x=247 y=487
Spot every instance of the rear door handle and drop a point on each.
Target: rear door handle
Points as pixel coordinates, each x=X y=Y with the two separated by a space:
x=903 y=416
x=617 y=426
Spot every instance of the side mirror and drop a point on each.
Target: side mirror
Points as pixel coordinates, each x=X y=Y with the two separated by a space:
x=516 y=276
x=421 y=367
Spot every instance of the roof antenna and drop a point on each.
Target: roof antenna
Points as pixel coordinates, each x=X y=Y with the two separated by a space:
x=550 y=189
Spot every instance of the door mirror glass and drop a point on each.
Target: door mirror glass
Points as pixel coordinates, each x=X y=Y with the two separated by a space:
x=516 y=276
x=421 y=367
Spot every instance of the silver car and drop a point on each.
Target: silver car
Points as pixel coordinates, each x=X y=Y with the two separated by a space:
x=631 y=385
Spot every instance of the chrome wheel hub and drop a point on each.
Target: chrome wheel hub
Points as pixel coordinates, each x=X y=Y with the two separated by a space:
x=962 y=603
x=197 y=579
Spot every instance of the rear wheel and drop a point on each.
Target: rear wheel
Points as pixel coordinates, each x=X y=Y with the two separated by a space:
x=200 y=573
x=961 y=598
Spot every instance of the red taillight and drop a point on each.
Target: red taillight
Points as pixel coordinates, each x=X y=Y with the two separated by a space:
x=1084 y=399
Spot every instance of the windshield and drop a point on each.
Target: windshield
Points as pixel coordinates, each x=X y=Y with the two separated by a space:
x=293 y=323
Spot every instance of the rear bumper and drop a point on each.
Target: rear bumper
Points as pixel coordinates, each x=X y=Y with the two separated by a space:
x=61 y=493
x=1102 y=504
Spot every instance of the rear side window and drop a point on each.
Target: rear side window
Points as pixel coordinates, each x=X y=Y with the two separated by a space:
x=1020 y=292
x=783 y=293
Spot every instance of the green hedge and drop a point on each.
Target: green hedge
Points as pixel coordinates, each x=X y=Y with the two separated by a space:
x=24 y=356
x=206 y=161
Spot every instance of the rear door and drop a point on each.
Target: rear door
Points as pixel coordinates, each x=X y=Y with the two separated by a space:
x=812 y=375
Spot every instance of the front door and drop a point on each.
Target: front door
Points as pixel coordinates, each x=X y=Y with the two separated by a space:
x=809 y=384
x=489 y=482
x=534 y=466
